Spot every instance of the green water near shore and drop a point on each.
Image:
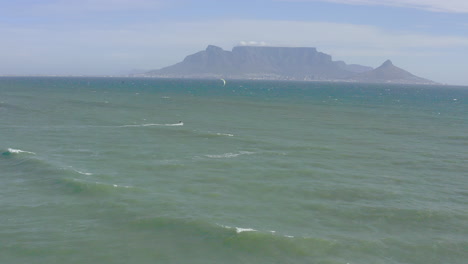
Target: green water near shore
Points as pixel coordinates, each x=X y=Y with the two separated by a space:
x=101 y=170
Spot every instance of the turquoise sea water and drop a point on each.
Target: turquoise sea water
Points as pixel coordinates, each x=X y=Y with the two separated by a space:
x=99 y=170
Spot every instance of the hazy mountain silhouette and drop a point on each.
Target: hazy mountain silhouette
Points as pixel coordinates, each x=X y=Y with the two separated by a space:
x=389 y=73
x=279 y=63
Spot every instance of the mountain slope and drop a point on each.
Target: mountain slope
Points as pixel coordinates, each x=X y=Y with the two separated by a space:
x=389 y=73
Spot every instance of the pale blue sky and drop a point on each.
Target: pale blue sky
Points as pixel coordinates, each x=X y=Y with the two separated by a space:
x=93 y=37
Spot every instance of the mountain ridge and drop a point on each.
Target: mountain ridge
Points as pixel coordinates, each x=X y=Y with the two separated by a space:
x=280 y=63
x=389 y=73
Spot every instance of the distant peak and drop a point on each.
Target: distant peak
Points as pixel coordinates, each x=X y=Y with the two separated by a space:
x=387 y=63
x=213 y=48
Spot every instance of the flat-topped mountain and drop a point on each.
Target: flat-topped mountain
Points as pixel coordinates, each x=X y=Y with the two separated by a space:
x=278 y=63
x=252 y=62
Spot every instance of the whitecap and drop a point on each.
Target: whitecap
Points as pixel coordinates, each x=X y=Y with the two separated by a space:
x=81 y=172
x=240 y=229
x=225 y=134
x=148 y=125
x=121 y=186
x=225 y=155
x=84 y=173
x=229 y=155
x=102 y=183
x=176 y=124
x=11 y=150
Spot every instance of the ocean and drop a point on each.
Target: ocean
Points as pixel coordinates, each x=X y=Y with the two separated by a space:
x=128 y=170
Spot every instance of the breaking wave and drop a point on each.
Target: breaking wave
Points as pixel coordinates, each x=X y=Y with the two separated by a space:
x=16 y=151
x=149 y=125
x=31 y=169
x=247 y=245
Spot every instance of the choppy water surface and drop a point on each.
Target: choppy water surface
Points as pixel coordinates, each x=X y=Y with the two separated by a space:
x=108 y=170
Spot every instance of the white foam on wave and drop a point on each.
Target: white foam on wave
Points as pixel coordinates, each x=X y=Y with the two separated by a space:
x=11 y=150
x=225 y=155
x=176 y=124
x=229 y=155
x=148 y=125
x=121 y=186
x=225 y=134
x=240 y=229
x=83 y=173
x=80 y=172
x=102 y=183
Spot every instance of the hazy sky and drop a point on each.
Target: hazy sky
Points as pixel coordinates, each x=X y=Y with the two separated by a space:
x=426 y=37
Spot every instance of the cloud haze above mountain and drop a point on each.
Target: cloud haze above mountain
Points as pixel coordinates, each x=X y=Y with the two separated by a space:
x=98 y=37
x=452 y=6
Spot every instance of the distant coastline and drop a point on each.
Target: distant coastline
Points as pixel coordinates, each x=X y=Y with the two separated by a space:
x=128 y=76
